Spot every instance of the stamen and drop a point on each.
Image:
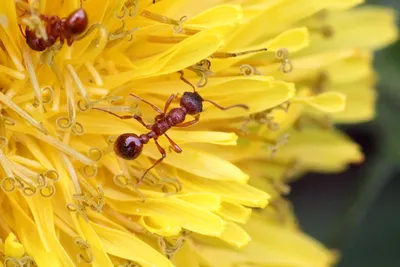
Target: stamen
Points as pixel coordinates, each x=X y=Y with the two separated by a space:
x=47 y=94
x=95 y=203
x=78 y=129
x=132 y=6
x=228 y=55
x=90 y=171
x=122 y=33
x=202 y=69
x=74 y=76
x=64 y=148
x=172 y=181
x=95 y=153
x=321 y=83
x=283 y=55
x=28 y=191
x=79 y=210
x=8 y=184
x=122 y=181
x=119 y=15
x=12 y=73
x=279 y=143
x=32 y=76
x=26 y=162
x=170 y=249
x=178 y=24
x=48 y=191
x=248 y=70
x=166 y=40
x=72 y=173
x=85 y=246
x=95 y=74
x=110 y=99
x=326 y=31
x=6 y=101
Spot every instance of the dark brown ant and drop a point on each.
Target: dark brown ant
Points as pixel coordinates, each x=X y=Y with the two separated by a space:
x=64 y=28
x=129 y=145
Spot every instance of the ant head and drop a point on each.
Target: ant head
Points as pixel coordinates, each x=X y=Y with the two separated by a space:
x=128 y=146
x=193 y=102
x=76 y=23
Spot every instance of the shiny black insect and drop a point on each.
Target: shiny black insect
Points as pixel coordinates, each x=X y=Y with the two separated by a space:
x=130 y=145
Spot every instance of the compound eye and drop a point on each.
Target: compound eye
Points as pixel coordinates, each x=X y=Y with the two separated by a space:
x=128 y=146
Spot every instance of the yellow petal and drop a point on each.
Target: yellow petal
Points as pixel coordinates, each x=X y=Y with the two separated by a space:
x=318 y=150
x=328 y=102
x=206 y=201
x=161 y=225
x=187 y=215
x=42 y=212
x=232 y=191
x=234 y=212
x=127 y=246
x=235 y=235
x=360 y=107
x=200 y=163
x=12 y=248
x=377 y=30
x=30 y=238
x=260 y=96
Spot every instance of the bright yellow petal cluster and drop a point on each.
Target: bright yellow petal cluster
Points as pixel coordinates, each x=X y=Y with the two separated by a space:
x=68 y=200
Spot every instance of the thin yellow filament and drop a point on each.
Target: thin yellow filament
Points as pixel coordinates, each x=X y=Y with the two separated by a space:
x=6 y=101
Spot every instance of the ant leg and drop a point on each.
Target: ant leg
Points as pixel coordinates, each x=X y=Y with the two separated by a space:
x=127 y=117
x=168 y=103
x=173 y=145
x=188 y=123
x=70 y=40
x=186 y=81
x=148 y=103
x=20 y=29
x=163 y=155
x=226 y=108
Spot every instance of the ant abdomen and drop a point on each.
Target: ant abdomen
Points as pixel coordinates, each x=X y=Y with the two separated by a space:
x=128 y=146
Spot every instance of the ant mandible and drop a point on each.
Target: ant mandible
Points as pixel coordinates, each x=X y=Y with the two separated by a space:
x=129 y=146
x=64 y=28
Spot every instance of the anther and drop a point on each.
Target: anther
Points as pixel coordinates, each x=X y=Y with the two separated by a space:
x=326 y=31
x=283 y=55
x=248 y=70
x=202 y=69
x=178 y=24
x=86 y=248
x=79 y=210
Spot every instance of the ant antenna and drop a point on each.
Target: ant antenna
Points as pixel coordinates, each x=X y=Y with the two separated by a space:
x=228 y=55
x=186 y=81
x=226 y=108
x=20 y=29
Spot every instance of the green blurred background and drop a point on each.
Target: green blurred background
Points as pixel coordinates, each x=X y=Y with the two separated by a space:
x=358 y=212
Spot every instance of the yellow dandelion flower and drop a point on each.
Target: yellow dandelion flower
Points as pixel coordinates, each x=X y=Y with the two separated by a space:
x=75 y=75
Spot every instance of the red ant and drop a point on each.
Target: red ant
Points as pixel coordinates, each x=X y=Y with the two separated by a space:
x=64 y=28
x=129 y=146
